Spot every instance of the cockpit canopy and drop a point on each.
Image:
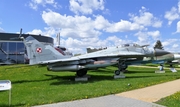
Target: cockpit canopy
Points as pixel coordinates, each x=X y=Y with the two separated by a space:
x=130 y=45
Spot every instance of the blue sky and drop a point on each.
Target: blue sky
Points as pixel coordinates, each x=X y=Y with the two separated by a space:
x=95 y=23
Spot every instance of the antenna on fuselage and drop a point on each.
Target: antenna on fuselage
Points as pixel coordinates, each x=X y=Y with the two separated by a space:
x=19 y=37
x=58 y=39
x=20 y=33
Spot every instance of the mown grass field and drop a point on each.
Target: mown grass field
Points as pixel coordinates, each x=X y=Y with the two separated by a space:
x=171 y=101
x=35 y=85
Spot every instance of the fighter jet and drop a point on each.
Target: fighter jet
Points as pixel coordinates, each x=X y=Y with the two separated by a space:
x=41 y=54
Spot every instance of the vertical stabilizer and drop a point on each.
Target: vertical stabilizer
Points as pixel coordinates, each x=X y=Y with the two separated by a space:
x=38 y=52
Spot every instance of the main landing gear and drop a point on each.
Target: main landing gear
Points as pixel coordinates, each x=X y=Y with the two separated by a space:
x=161 y=69
x=81 y=75
x=121 y=69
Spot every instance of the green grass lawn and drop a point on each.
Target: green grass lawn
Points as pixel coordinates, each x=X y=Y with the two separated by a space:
x=171 y=101
x=35 y=85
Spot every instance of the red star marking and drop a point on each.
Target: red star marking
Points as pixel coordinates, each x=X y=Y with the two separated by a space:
x=38 y=50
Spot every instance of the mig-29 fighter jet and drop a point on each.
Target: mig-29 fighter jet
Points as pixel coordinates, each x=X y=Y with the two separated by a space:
x=41 y=54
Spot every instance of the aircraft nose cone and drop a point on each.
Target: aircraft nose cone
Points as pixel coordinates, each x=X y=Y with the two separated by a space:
x=159 y=52
x=176 y=56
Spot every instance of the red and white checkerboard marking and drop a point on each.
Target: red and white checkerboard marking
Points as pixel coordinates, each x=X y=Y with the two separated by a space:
x=38 y=50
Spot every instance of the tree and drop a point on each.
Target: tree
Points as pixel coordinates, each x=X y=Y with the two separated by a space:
x=158 y=45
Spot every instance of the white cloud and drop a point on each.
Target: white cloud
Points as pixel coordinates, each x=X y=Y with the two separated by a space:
x=117 y=41
x=154 y=34
x=79 y=32
x=123 y=26
x=1 y=29
x=35 y=3
x=178 y=27
x=146 y=19
x=86 y=6
x=82 y=26
x=169 y=42
x=101 y=23
x=80 y=45
x=82 y=31
x=142 y=37
x=171 y=45
x=173 y=14
x=48 y=31
x=156 y=23
x=175 y=46
x=35 y=31
x=77 y=26
x=145 y=37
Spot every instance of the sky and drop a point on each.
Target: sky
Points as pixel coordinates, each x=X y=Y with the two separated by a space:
x=95 y=23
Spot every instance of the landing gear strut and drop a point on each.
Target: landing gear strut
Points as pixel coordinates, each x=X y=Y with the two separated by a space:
x=161 y=68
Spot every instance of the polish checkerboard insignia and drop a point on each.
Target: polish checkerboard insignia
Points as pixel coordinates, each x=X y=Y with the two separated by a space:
x=39 y=50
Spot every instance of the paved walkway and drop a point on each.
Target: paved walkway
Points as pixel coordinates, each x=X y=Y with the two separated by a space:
x=153 y=93
x=105 y=101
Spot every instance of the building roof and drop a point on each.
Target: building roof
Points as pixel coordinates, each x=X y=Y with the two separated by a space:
x=10 y=36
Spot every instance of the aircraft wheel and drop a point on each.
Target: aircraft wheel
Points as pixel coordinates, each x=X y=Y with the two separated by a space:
x=116 y=72
x=81 y=73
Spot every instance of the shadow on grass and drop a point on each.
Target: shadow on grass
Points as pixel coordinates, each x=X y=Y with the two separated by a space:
x=138 y=71
x=141 y=76
x=26 y=81
x=104 y=71
x=101 y=75
x=64 y=80
x=7 y=105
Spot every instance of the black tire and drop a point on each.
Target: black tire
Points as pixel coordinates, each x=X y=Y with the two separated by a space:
x=116 y=72
x=81 y=73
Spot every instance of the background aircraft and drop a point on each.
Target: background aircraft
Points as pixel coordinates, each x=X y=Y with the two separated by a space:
x=39 y=53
